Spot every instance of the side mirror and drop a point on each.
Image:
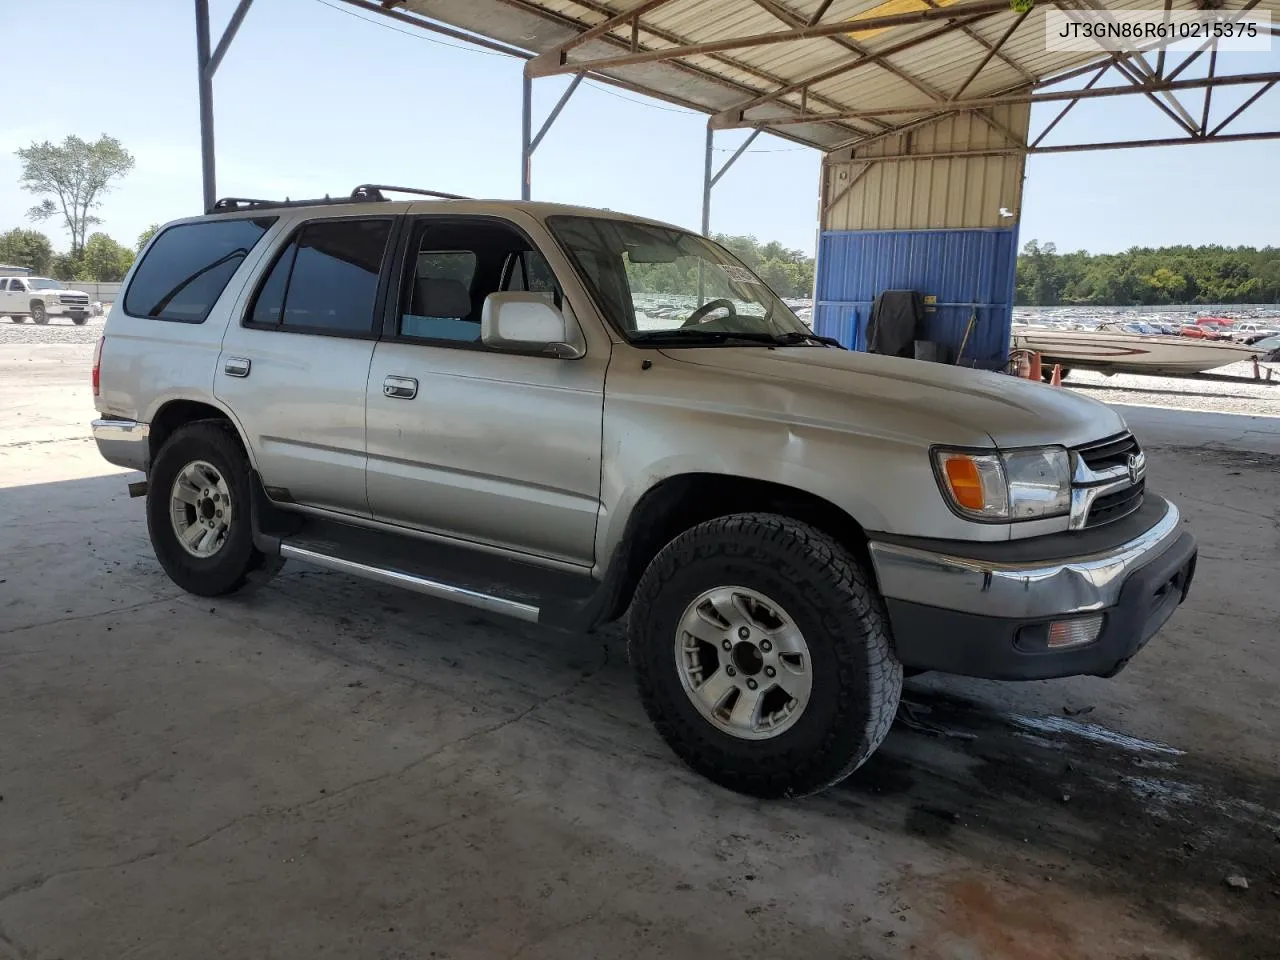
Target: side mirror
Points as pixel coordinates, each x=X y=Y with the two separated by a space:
x=527 y=322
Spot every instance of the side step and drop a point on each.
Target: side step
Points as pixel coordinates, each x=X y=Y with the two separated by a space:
x=463 y=575
x=418 y=584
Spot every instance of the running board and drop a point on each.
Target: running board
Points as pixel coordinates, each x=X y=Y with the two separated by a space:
x=431 y=588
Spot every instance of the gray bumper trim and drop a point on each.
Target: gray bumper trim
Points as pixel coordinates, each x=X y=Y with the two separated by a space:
x=123 y=442
x=1013 y=590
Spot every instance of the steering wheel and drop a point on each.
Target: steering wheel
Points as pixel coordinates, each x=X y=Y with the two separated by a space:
x=700 y=315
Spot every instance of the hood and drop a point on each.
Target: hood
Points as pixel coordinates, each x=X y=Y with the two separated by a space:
x=961 y=402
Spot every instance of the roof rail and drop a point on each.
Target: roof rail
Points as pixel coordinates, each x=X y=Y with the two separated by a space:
x=227 y=204
x=365 y=193
x=373 y=191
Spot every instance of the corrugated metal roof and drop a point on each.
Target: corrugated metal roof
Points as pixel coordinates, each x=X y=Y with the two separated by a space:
x=922 y=76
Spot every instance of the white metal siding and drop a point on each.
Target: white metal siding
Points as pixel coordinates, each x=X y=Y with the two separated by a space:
x=891 y=193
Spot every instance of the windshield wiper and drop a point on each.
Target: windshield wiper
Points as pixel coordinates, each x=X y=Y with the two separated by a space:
x=695 y=337
x=797 y=337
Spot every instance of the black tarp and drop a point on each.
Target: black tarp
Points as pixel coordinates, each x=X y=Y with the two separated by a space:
x=897 y=318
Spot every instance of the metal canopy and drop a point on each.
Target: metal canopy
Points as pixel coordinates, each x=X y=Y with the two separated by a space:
x=834 y=74
x=842 y=76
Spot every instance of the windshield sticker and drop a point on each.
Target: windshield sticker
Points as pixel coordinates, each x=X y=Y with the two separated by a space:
x=739 y=274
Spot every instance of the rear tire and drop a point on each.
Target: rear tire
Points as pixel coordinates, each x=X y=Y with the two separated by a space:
x=797 y=581
x=39 y=314
x=17 y=318
x=223 y=559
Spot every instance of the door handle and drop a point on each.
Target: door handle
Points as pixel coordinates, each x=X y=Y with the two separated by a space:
x=400 y=388
x=236 y=367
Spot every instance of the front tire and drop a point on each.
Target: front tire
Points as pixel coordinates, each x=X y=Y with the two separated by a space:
x=79 y=319
x=762 y=653
x=199 y=495
x=39 y=314
x=17 y=318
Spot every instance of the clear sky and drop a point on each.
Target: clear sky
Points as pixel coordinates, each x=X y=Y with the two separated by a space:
x=312 y=99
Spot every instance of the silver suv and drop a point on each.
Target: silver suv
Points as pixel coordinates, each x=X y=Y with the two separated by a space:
x=563 y=415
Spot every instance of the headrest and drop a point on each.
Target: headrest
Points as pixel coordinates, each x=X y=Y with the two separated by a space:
x=436 y=297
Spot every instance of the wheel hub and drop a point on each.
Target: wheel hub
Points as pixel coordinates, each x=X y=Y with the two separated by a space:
x=743 y=663
x=200 y=508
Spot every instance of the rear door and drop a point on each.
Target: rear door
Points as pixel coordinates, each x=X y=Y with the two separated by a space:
x=295 y=366
x=495 y=447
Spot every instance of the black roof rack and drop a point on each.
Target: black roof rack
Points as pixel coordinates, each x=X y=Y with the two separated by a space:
x=365 y=193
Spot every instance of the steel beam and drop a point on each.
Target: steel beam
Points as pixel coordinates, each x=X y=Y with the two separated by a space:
x=990 y=54
x=668 y=37
x=229 y=34
x=207 y=168
x=555 y=112
x=1072 y=147
x=793 y=19
x=1242 y=108
x=709 y=179
x=733 y=116
x=1068 y=108
x=547 y=65
x=988 y=45
x=979 y=103
x=1208 y=91
x=612 y=23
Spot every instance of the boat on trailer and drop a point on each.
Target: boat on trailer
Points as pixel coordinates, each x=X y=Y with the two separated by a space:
x=1110 y=349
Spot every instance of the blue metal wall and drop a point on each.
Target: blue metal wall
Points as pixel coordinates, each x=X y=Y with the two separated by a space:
x=964 y=269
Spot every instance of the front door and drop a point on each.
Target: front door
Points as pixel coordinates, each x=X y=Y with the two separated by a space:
x=494 y=447
x=295 y=366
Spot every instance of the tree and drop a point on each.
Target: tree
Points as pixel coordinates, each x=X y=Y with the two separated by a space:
x=104 y=260
x=145 y=237
x=72 y=177
x=26 y=248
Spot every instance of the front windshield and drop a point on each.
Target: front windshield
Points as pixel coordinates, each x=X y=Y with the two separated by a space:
x=40 y=283
x=658 y=283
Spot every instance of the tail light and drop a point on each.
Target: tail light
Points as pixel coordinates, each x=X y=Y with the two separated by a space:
x=97 y=367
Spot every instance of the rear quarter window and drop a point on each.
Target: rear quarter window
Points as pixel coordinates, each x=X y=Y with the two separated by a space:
x=189 y=265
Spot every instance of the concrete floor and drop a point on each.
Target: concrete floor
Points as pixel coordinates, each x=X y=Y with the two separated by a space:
x=332 y=769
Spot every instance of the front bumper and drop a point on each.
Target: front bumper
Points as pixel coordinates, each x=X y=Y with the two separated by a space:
x=984 y=610
x=123 y=442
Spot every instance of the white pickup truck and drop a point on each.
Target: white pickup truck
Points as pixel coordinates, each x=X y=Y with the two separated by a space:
x=41 y=298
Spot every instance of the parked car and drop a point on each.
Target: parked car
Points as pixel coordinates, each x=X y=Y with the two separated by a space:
x=456 y=397
x=41 y=298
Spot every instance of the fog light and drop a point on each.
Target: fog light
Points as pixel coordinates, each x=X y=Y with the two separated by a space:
x=1073 y=633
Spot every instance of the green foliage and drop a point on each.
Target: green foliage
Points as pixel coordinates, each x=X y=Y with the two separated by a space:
x=72 y=177
x=789 y=273
x=104 y=260
x=27 y=248
x=1143 y=275
x=145 y=237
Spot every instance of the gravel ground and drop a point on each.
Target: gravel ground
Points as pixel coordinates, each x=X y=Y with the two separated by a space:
x=57 y=330
x=1259 y=400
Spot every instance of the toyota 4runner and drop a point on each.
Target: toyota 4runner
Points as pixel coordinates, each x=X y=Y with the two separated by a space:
x=563 y=415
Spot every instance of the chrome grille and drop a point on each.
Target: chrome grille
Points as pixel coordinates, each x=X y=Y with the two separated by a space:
x=1112 y=452
x=1108 y=481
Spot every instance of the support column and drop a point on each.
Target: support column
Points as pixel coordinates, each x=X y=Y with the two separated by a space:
x=526 y=136
x=706 y=183
x=208 y=173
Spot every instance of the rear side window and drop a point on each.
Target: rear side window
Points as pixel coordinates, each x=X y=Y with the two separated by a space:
x=188 y=266
x=325 y=279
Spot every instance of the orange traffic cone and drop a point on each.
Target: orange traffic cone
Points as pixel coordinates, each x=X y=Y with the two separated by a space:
x=1056 y=380
x=1034 y=372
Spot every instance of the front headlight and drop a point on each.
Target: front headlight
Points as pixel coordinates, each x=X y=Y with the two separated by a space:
x=1014 y=485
